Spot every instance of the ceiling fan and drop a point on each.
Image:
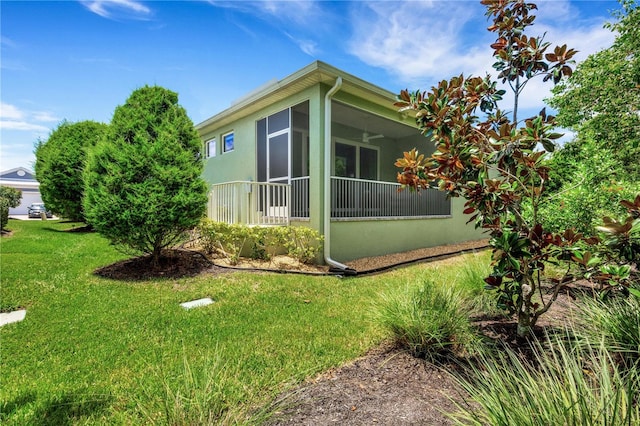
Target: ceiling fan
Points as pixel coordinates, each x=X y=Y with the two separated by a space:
x=367 y=137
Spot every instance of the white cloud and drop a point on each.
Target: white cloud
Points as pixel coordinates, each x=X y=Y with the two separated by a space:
x=13 y=118
x=586 y=39
x=10 y=112
x=293 y=12
x=290 y=17
x=422 y=43
x=7 y=42
x=309 y=47
x=44 y=116
x=114 y=9
x=416 y=40
x=22 y=125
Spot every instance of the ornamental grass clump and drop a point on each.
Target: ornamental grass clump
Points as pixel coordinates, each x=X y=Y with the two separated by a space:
x=428 y=322
x=615 y=321
x=194 y=395
x=559 y=385
x=470 y=281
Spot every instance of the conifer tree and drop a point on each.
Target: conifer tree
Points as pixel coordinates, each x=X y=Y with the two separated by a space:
x=60 y=161
x=143 y=188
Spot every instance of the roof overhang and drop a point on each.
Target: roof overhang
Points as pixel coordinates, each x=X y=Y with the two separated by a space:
x=20 y=184
x=309 y=76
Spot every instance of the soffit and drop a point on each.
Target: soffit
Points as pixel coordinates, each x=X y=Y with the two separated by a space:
x=309 y=76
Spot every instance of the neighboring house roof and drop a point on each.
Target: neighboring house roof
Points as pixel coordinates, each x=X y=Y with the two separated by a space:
x=19 y=173
x=19 y=177
x=312 y=74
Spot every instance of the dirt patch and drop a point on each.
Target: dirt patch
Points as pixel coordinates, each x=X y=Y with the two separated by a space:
x=173 y=264
x=275 y=264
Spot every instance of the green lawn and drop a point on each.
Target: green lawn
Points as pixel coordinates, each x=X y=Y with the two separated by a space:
x=93 y=350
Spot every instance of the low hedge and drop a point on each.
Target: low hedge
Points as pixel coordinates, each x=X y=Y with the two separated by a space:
x=259 y=242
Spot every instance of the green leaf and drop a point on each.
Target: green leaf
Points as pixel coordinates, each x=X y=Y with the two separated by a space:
x=548 y=145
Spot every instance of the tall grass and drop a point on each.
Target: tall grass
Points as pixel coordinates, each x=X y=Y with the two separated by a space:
x=615 y=321
x=206 y=393
x=429 y=322
x=559 y=386
x=470 y=281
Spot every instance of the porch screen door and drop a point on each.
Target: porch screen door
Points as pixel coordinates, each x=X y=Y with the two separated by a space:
x=278 y=146
x=274 y=145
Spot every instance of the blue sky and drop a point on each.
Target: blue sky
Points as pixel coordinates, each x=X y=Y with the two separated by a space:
x=78 y=60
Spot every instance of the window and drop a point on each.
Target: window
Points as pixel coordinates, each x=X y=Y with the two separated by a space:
x=345 y=160
x=355 y=161
x=227 y=142
x=210 y=148
x=368 y=163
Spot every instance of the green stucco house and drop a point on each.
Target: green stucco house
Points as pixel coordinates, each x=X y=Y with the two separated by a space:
x=317 y=149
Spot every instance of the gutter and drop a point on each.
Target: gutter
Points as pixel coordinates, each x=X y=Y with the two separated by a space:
x=335 y=265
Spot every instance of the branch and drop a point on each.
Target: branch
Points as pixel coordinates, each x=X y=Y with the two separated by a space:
x=557 y=194
x=556 y=291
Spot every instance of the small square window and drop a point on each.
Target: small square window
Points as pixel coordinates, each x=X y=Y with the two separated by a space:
x=210 y=148
x=227 y=142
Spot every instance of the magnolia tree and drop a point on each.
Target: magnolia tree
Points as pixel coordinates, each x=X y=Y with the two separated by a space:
x=496 y=162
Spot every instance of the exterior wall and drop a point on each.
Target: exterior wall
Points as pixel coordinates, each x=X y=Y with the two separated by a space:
x=240 y=164
x=316 y=158
x=356 y=239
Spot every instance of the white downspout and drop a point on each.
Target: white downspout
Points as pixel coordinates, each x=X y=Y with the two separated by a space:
x=327 y=179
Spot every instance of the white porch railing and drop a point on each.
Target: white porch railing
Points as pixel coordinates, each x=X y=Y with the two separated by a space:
x=260 y=203
x=251 y=203
x=355 y=198
x=300 y=197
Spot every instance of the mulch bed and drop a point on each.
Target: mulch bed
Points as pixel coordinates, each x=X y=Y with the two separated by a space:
x=381 y=263
x=386 y=387
x=173 y=264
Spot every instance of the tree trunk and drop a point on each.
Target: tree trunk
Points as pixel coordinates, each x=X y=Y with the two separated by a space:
x=524 y=324
x=524 y=313
x=155 y=257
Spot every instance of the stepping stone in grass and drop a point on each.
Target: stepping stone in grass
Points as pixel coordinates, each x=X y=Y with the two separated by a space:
x=197 y=303
x=11 y=317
